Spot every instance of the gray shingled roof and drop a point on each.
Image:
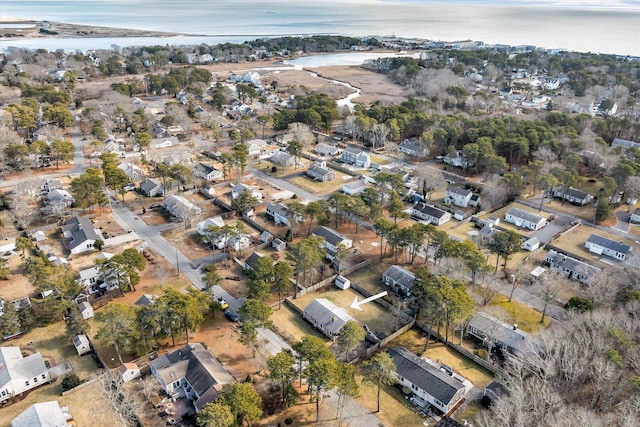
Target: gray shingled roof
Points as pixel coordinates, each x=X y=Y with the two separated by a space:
x=400 y=275
x=572 y=264
x=149 y=184
x=528 y=216
x=330 y=235
x=353 y=150
x=81 y=230
x=424 y=375
x=503 y=332
x=609 y=244
x=329 y=316
x=457 y=190
x=319 y=171
x=278 y=208
x=429 y=210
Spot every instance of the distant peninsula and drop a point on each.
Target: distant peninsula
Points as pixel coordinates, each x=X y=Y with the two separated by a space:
x=10 y=29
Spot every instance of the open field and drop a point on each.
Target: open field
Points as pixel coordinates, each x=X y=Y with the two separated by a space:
x=290 y=325
x=373 y=315
x=321 y=188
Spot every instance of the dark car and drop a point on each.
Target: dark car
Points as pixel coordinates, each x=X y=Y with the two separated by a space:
x=231 y=315
x=155 y=206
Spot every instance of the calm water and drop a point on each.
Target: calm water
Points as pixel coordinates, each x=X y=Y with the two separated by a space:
x=588 y=29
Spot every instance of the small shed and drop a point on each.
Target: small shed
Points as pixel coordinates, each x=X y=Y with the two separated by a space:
x=279 y=245
x=39 y=236
x=531 y=245
x=538 y=272
x=82 y=344
x=86 y=310
x=128 y=372
x=266 y=237
x=342 y=282
x=459 y=215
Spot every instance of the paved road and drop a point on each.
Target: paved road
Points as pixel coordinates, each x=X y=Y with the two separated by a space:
x=624 y=220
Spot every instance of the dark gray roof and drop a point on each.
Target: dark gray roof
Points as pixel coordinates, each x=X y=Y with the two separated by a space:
x=581 y=195
x=81 y=231
x=328 y=315
x=149 y=184
x=447 y=422
x=252 y=259
x=278 y=208
x=319 y=171
x=609 y=244
x=353 y=150
x=205 y=168
x=401 y=275
x=636 y=212
x=411 y=144
x=193 y=362
x=528 y=216
x=514 y=338
x=569 y=263
x=424 y=375
x=429 y=210
x=323 y=148
x=330 y=235
x=457 y=190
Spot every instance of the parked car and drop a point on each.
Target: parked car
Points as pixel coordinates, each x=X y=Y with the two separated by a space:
x=222 y=303
x=231 y=315
x=155 y=206
x=129 y=187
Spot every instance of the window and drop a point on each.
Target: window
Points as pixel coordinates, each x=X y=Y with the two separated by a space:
x=44 y=376
x=26 y=383
x=35 y=380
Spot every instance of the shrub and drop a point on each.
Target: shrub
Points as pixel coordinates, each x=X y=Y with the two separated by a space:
x=482 y=353
x=70 y=381
x=579 y=303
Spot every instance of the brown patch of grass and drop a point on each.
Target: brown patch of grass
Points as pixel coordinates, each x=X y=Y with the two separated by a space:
x=317 y=187
x=290 y=325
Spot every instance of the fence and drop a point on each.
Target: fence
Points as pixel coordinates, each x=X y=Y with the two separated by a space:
x=319 y=285
x=356 y=267
x=374 y=348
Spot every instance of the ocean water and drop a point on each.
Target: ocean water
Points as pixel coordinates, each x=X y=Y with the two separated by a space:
x=584 y=29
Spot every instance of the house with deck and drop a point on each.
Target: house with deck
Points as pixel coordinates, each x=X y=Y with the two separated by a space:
x=320 y=172
x=572 y=195
x=79 y=235
x=281 y=214
x=525 y=219
x=238 y=189
x=357 y=157
x=500 y=336
x=332 y=238
x=192 y=372
x=207 y=172
x=430 y=214
x=20 y=373
x=441 y=388
x=458 y=196
x=571 y=268
x=399 y=279
x=326 y=317
x=44 y=414
x=602 y=246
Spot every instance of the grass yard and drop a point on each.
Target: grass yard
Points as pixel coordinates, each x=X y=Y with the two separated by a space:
x=370 y=276
x=413 y=340
x=373 y=315
x=320 y=188
x=527 y=318
x=574 y=241
x=379 y=160
x=502 y=211
x=290 y=325
x=51 y=341
x=460 y=230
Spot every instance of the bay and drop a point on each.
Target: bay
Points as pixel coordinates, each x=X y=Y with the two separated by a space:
x=585 y=29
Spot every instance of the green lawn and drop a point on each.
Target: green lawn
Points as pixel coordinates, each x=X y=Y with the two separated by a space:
x=290 y=325
x=321 y=188
x=527 y=318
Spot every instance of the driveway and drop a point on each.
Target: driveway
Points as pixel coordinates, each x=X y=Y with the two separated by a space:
x=624 y=219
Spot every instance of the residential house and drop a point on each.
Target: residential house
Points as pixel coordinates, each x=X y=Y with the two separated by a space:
x=506 y=338
x=494 y=391
x=165 y=142
x=20 y=373
x=603 y=246
x=525 y=219
x=208 y=191
x=625 y=143
x=320 y=172
x=327 y=150
x=456 y=159
x=279 y=245
x=283 y=159
x=251 y=261
x=146 y=299
x=354 y=188
x=44 y=414
x=241 y=188
x=205 y=171
x=236 y=242
x=332 y=238
x=82 y=344
x=326 y=317
x=255 y=147
x=151 y=188
x=572 y=195
x=458 y=196
x=413 y=147
x=50 y=184
x=181 y=208
x=399 y=279
x=430 y=214
x=128 y=372
x=133 y=172
x=57 y=202
x=635 y=216
x=436 y=386
x=531 y=244
x=281 y=214
x=203 y=226
x=79 y=235
x=357 y=157
x=475 y=200
x=192 y=372
x=90 y=279
x=571 y=267
x=85 y=310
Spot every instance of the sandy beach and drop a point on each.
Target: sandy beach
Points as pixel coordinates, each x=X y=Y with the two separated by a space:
x=49 y=29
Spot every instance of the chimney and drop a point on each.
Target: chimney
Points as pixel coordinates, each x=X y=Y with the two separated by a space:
x=515 y=326
x=333 y=319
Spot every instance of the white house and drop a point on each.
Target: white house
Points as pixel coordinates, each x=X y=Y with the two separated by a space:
x=203 y=226
x=320 y=172
x=635 y=216
x=151 y=188
x=82 y=344
x=354 y=188
x=238 y=189
x=357 y=157
x=19 y=373
x=571 y=267
x=332 y=238
x=525 y=219
x=458 y=160
x=326 y=317
x=412 y=147
x=439 y=387
x=326 y=150
x=79 y=235
x=44 y=414
x=133 y=172
x=256 y=147
x=603 y=246
x=531 y=244
x=205 y=171
x=430 y=214
x=572 y=195
x=128 y=372
x=458 y=196
x=399 y=279
x=281 y=214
